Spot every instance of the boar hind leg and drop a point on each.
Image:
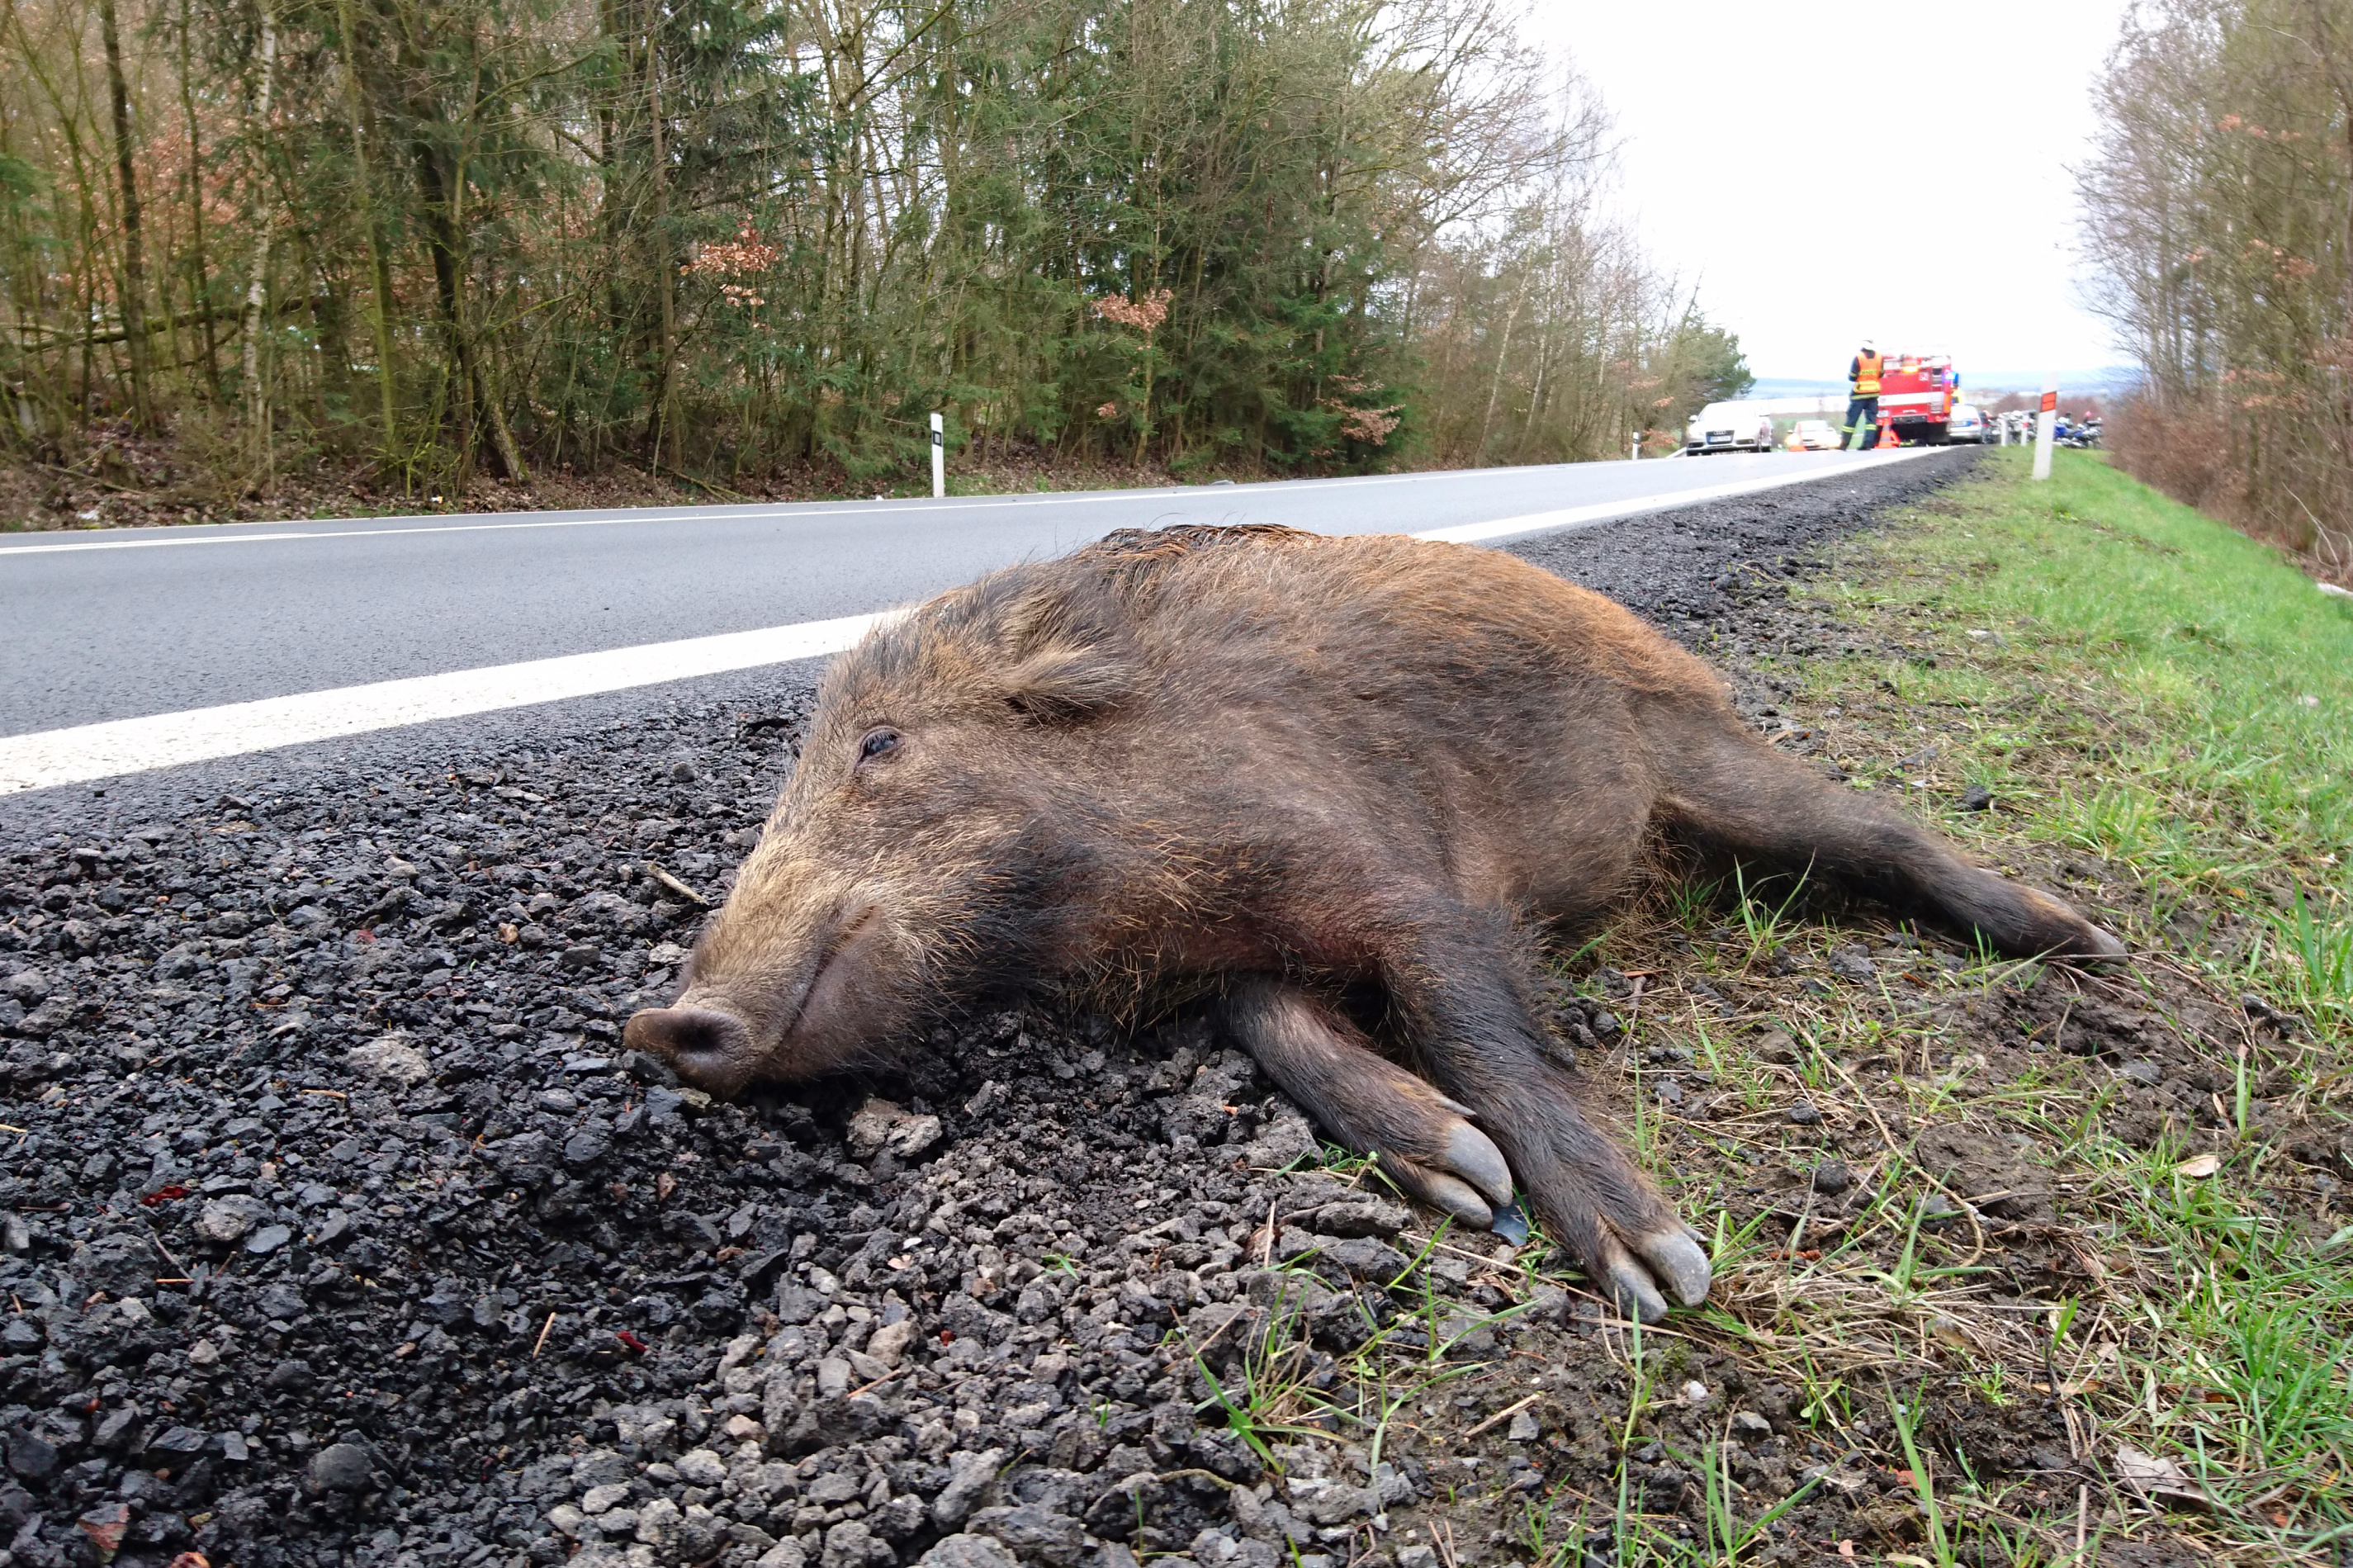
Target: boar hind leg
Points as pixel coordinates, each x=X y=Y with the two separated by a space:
x=1483 y=1046
x=1744 y=796
x=1425 y=1140
x=1477 y=1038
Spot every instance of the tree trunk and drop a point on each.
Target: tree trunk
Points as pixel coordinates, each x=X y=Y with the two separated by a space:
x=200 y=283
x=257 y=289
x=379 y=268
x=134 y=302
x=441 y=245
x=442 y=240
x=1495 y=385
x=667 y=435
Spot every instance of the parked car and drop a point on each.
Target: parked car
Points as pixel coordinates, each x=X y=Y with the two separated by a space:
x=1729 y=428
x=1966 y=424
x=1819 y=436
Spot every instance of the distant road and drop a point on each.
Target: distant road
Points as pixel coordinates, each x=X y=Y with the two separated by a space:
x=227 y=639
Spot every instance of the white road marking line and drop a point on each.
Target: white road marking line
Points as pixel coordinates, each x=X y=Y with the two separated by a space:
x=119 y=747
x=202 y=735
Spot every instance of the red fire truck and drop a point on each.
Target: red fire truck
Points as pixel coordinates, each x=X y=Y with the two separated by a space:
x=1916 y=394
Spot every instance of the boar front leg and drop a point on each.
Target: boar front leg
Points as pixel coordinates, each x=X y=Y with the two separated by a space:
x=1424 y=1141
x=1477 y=1037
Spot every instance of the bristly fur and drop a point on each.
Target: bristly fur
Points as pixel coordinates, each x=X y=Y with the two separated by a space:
x=1340 y=782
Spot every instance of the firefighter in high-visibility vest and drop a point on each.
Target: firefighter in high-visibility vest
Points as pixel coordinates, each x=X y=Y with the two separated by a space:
x=1863 y=399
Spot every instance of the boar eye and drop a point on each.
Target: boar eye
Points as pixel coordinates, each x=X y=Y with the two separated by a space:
x=876 y=743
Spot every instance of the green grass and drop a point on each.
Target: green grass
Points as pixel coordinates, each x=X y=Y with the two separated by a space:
x=2136 y=682
x=2133 y=697
x=2153 y=689
x=2160 y=708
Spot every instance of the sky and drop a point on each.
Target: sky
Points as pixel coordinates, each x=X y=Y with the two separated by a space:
x=1825 y=174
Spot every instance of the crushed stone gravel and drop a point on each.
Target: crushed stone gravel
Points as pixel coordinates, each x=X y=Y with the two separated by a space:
x=339 y=1228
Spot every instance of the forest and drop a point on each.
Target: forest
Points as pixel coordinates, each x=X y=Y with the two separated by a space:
x=2220 y=213
x=418 y=246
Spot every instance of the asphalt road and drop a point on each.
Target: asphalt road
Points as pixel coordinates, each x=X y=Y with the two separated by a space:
x=105 y=626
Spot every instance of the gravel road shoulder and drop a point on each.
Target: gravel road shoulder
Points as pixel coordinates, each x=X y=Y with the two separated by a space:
x=340 y=1230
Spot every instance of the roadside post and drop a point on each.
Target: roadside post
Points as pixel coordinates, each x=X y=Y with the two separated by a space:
x=1636 y=455
x=939 y=458
x=2043 y=419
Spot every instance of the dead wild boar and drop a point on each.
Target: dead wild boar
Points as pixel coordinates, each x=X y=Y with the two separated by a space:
x=1340 y=784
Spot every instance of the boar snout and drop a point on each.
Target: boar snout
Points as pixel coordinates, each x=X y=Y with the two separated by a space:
x=711 y=1050
x=741 y=1018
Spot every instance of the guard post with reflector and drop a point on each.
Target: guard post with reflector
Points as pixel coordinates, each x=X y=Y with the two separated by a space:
x=2043 y=419
x=939 y=458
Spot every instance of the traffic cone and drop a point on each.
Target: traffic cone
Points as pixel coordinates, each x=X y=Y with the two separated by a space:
x=1887 y=436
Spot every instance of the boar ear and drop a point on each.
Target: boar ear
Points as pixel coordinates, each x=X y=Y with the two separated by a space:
x=1066 y=683
x=1061 y=664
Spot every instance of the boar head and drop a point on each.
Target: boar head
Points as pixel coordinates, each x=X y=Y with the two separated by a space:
x=935 y=840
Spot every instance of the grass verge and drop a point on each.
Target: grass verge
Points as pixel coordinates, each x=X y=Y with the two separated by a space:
x=2017 y=1263
x=2138 y=682
x=2148 y=710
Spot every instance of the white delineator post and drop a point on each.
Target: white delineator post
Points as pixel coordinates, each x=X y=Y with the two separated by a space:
x=2043 y=419
x=1636 y=455
x=939 y=458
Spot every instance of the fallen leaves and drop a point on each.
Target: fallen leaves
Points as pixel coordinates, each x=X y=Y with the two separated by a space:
x=675 y=886
x=2199 y=1166
x=2160 y=1479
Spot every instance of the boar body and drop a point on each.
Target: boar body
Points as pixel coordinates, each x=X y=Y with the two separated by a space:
x=1345 y=786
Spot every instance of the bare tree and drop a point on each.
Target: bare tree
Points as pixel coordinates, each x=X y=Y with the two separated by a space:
x=2220 y=213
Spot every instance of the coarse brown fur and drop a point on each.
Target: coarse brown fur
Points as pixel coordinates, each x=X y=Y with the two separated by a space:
x=1343 y=781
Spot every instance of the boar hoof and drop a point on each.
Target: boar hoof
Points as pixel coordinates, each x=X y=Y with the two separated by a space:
x=2057 y=928
x=1674 y=1259
x=1628 y=1285
x=2101 y=946
x=1680 y=1262
x=1473 y=1184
